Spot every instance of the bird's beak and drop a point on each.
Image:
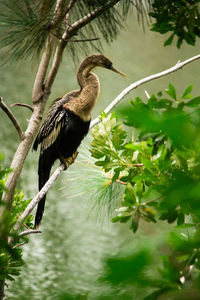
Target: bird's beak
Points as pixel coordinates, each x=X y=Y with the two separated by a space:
x=119 y=72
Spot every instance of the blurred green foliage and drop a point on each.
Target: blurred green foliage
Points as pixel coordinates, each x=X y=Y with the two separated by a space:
x=10 y=254
x=159 y=165
x=180 y=17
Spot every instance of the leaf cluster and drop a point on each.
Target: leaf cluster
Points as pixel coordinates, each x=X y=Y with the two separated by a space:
x=158 y=163
x=11 y=256
x=171 y=272
x=180 y=17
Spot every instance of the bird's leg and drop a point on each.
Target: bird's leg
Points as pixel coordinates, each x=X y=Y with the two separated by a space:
x=69 y=160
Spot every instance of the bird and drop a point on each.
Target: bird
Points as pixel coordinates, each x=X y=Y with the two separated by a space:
x=67 y=123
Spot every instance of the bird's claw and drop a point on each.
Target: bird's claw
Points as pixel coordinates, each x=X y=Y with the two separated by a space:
x=69 y=160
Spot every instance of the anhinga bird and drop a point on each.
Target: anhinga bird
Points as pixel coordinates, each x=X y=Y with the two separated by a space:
x=67 y=122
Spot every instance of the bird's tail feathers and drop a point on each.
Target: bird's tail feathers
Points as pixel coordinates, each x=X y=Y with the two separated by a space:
x=44 y=169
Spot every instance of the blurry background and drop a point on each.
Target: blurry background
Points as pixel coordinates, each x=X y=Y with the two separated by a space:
x=67 y=258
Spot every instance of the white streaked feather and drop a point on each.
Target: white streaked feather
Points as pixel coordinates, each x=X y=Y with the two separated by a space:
x=50 y=139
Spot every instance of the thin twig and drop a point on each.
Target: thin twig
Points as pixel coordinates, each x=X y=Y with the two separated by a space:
x=71 y=3
x=11 y=117
x=134 y=85
x=85 y=40
x=119 y=181
x=19 y=245
x=30 y=231
x=22 y=104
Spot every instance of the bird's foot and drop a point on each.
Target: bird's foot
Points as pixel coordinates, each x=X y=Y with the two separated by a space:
x=69 y=160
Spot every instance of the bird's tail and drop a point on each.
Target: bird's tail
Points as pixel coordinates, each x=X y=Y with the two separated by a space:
x=44 y=169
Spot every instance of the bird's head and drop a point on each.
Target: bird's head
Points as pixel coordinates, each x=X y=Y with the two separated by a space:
x=99 y=60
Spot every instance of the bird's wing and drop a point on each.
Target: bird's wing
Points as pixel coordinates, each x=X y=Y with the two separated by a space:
x=55 y=121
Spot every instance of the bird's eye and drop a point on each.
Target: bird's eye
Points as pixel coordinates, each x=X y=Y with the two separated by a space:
x=108 y=65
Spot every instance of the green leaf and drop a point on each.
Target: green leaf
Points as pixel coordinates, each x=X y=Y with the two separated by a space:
x=135 y=222
x=194 y=102
x=170 y=216
x=169 y=40
x=130 y=194
x=187 y=92
x=171 y=91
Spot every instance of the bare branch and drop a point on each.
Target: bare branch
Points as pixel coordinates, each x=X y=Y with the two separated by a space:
x=39 y=196
x=30 y=231
x=38 y=87
x=19 y=245
x=71 y=4
x=55 y=65
x=23 y=104
x=134 y=85
x=11 y=117
x=59 y=13
x=85 y=40
x=58 y=53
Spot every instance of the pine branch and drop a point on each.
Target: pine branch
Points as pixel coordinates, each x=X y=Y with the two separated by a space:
x=12 y=118
x=57 y=172
x=90 y=17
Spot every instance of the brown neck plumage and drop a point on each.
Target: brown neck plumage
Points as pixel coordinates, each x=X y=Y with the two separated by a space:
x=89 y=91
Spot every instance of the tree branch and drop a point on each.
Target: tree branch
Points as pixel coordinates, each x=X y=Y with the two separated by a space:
x=30 y=231
x=19 y=245
x=134 y=85
x=39 y=196
x=57 y=172
x=58 y=54
x=59 y=13
x=91 y=16
x=85 y=40
x=11 y=117
x=23 y=105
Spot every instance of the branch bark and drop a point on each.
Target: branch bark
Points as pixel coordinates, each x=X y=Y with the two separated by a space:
x=127 y=90
x=12 y=118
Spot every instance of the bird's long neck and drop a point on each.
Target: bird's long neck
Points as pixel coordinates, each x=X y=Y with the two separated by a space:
x=89 y=91
x=86 y=98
